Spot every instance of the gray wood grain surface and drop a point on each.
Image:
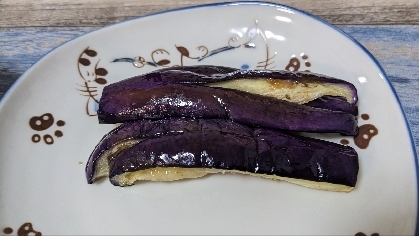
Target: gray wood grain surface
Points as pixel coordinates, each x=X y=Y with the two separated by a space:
x=15 y=13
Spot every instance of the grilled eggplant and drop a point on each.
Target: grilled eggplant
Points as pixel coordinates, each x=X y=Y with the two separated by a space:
x=186 y=122
x=167 y=150
x=128 y=134
x=177 y=100
x=270 y=99
x=297 y=87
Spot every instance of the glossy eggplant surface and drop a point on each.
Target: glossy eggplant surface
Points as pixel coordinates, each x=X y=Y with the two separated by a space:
x=210 y=146
x=194 y=101
x=271 y=99
x=269 y=81
x=190 y=121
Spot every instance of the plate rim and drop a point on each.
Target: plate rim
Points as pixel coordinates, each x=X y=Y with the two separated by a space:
x=383 y=74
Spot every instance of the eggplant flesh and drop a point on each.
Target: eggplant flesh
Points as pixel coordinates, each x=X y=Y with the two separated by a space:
x=225 y=146
x=161 y=174
x=292 y=91
x=193 y=101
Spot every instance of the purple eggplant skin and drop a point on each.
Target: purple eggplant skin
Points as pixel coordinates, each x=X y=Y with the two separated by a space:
x=136 y=130
x=334 y=103
x=226 y=145
x=193 y=101
x=200 y=75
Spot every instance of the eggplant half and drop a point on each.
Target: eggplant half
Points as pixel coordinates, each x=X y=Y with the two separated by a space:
x=128 y=134
x=194 y=101
x=297 y=87
x=167 y=150
x=271 y=99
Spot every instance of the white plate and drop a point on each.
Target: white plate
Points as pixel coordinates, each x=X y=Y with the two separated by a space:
x=44 y=184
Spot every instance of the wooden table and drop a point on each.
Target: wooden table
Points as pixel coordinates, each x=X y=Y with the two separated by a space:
x=388 y=29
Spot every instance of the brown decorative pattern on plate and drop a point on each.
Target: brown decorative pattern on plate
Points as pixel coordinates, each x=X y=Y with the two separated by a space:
x=344 y=142
x=365 y=133
x=93 y=76
x=362 y=234
x=161 y=57
x=44 y=122
x=294 y=63
x=25 y=229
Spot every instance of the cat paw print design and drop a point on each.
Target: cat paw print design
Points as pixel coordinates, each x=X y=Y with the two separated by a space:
x=25 y=229
x=295 y=64
x=365 y=133
x=42 y=123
